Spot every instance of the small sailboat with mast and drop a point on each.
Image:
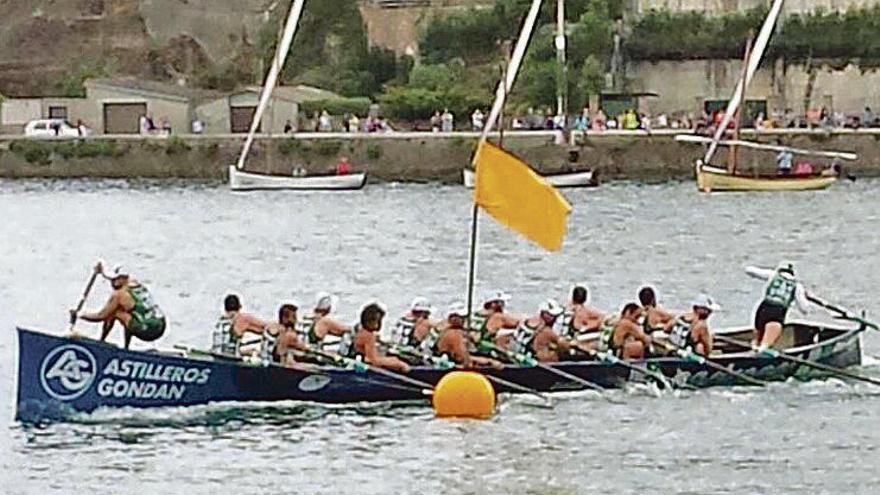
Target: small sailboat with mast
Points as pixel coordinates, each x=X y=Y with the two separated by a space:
x=712 y=178
x=241 y=180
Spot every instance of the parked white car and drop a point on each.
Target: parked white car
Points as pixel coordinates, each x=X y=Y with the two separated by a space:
x=50 y=128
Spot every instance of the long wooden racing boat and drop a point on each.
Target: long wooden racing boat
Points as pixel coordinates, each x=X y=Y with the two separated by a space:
x=250 y=181
x=60 y=376
x=567 y=179
x=714 y=179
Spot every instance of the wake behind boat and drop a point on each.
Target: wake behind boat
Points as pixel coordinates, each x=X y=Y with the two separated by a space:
x=61 y=376
x=240 y=180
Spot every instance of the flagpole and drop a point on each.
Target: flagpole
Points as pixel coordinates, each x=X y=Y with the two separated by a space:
x=504 y=87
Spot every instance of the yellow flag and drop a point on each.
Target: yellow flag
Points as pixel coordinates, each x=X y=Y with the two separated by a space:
x=509 y=190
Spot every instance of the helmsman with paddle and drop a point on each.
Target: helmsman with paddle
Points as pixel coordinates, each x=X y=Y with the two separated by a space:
x=781 y=292
x=130 y=304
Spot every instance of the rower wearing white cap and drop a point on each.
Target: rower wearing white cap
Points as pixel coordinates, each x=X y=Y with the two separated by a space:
x=412 y=328
x=486 y=323
x=535 y=335
x=781 y=292
x=131 y=305
x=313 y=328
x=453 y=341
x=691 y=330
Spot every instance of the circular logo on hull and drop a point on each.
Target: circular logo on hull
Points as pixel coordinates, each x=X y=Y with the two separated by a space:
x=67 y=372
x=312 y=383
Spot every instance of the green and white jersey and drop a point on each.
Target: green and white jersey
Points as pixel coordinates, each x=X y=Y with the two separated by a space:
x=523 y=337
x=780 y=291
x=223 y=340
x=606 y=335
x=680 y=335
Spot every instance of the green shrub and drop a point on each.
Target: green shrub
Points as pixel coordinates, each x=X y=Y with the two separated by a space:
x=327 y=147
x=34 y=152
x=289 y=146
x=337 y=106
x=374 y=151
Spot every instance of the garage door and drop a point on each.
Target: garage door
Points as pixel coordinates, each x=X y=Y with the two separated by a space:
x=123 y=118
x=241 y=118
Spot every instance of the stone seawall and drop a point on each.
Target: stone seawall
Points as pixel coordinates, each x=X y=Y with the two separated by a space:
x=398 y=157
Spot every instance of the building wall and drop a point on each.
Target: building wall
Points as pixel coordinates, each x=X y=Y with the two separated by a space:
x=215 y=113
x=177 y=111
x=683 y=85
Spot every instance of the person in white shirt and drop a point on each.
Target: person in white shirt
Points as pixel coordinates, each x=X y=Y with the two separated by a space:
x=781 y=292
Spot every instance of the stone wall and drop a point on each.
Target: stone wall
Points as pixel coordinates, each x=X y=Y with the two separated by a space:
x=421 y=157
x=728 y=6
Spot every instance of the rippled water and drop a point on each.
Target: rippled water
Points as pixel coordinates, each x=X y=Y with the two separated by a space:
x=193 y=243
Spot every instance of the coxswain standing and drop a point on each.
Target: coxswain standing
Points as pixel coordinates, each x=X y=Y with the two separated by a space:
x=314 y=328
x=781 y=292
x=655 y=318
x=131 y=305
x=453 y=340
x=486 y=325
x=627 y=339
x=691 y=331
x=366 y=342
x=535 y=336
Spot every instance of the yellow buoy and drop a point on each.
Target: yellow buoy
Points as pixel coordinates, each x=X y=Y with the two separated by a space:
x=464 y=394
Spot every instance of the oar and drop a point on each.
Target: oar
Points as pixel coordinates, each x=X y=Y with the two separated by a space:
x=446 y=364
x=427 y=388
x=82 y=300
x=841 y=312
x=612 y=359
x=703 y=360
x=804 y=362
x=532 y=362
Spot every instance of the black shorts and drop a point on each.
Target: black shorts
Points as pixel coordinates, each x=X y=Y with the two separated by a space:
x=768 y=313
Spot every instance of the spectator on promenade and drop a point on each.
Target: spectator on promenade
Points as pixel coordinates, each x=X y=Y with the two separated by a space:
x=197 y=126
x=559 y=122
x=517 y=124
x=288 y=127
x=477 y=120
x=549 y=120
x=645 y=122
x=600 y=122
x=582 y=122
x=435 y=121
x=662 y=121
x=81 y=129
x=447 y=121
x=384 y=126
x=868 y=118
x=325 y=123
x=533 y=120
x=354 y=123
x=343 y=167
x=630 y=120
x=144 y=125
x=166 y=126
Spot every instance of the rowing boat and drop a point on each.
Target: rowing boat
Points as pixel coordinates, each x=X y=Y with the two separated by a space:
x=568 y=179
x=60 y=376
x=714 y=179
x=250 y=181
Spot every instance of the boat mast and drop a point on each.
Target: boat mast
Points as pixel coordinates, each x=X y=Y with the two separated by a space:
x=296 y=8
x=504 y=87
x=562 y=69
x=733 y=154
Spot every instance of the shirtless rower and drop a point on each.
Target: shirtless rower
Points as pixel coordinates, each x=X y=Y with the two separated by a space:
x=312 y=329
x=453 y=341
x=578 y=318
x=282 y=346
x=487 y=323
x=131 y=305
x=691 y=331
x=412 y=328
x=628 y=340
x=781 y=292
x=366 y=342
x=655 y=318
x=232 y=325
x=535 y=336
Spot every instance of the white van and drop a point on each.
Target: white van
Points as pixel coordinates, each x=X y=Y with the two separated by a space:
x=50 y=128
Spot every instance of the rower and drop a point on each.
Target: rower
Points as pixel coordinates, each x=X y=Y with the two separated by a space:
x=578 y=318
x=691 y=331
x=781 y=292
x=655 y=317
x=131 y=305
x=627 y=339
x=287 y=340
x=412 y=328
x=231 y=327
x=535 y=336
x=453 y=341
x=487 y=323
x=312 y=329
x=365 y=345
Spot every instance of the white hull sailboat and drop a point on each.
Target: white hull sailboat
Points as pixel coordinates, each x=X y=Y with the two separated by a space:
x=569 y=179
x=241 y=180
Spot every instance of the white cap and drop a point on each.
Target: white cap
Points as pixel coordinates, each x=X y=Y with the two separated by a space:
x=552 y=307
x=119 y=271
x=457 y=308
x=496 y=295
x=325 y=301
x=420 y=304
x=704 y=301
